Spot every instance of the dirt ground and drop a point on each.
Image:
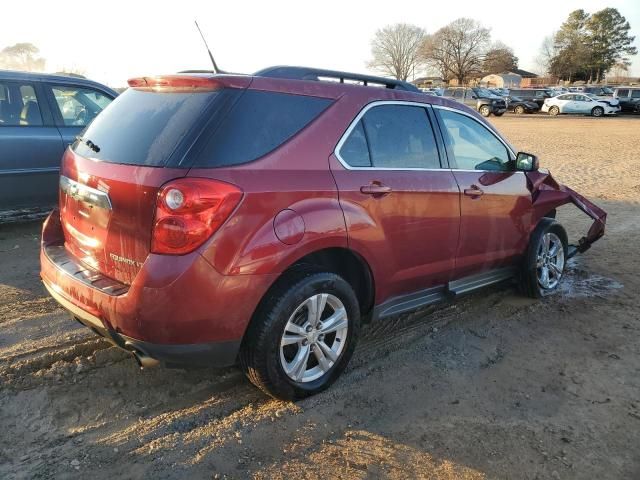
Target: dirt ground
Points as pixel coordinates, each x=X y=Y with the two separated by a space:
x=493 y=386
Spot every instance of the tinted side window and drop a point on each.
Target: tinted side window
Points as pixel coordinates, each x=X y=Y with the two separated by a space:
x=400 y=136
x=622 y=93
x=78 y=106
x=474 y=146
x=259 y=123
x=635 y=93
x=355 y=150
x=19 y=105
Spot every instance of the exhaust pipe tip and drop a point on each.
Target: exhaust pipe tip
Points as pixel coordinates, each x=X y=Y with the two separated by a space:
x=143 y=360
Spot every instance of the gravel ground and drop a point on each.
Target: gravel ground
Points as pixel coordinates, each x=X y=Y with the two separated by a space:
x=492 y=386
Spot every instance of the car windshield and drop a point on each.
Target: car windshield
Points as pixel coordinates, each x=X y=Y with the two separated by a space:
x=607 y=90
x=483 y=92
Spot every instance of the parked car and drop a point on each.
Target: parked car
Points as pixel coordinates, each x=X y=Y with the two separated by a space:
x=537 y=95
x=578 y=103
x=499 y=92
x=629 y=98
x=519 y=105
x=480 y=99
x=601 y=91
x=262 y=219
x=39 y=116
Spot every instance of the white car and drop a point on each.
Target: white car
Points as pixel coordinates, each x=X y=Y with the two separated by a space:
x=578 y=103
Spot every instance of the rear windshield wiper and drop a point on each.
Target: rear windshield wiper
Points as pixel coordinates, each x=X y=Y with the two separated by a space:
x=89 y=143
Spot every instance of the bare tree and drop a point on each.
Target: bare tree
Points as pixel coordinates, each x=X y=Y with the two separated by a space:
x=499 y=58
x=21 y=56
x=546 y=54
x=395 y=50
x=457 y=50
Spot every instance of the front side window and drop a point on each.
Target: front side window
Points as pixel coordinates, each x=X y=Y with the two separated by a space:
x=78 y=106
x=635 y=94
x=19 y=105
x=474 y=146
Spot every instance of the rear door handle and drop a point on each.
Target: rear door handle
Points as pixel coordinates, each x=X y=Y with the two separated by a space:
x=474 y=191
x=375 y=189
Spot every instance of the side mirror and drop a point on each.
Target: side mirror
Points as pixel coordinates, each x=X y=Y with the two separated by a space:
x=527 y=162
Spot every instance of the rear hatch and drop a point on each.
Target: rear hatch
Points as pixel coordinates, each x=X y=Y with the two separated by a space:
x=111 y=175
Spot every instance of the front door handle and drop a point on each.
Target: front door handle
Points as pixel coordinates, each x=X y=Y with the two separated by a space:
x=474 y=191
x=375 y=189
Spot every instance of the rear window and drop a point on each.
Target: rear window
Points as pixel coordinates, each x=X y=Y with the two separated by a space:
x=257 y=124
x=143 y=127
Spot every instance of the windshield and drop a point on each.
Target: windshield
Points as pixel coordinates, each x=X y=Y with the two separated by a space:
x=607 y=90
x=483 y=92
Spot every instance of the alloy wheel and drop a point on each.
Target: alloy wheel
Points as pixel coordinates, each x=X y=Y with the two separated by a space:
x=550 y=261
x=314 y=338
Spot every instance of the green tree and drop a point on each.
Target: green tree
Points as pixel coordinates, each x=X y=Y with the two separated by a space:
x=608 y=39
x=571 y=56
x=21 y=56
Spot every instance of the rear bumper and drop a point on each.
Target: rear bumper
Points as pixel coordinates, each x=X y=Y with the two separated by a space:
x=178 y=309
x=216 y=354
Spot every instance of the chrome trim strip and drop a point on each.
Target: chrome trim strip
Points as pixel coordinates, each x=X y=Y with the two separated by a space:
x=369 y=106
x=22 y=171
x=84 y=193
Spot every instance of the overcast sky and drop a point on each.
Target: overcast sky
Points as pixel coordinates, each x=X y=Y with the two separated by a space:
x=113 y=41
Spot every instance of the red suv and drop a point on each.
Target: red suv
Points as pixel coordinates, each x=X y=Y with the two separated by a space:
x=213 y=219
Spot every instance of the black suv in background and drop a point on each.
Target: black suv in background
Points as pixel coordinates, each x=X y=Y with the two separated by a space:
x=537 y=95
x=480 y=99
x=629 y=98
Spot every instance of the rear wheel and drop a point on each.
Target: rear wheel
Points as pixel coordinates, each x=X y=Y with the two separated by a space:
x=519 y=110
x=485 y=111
x=545 y=259
x=302 y=337
x=554 y=111
x=597 y=111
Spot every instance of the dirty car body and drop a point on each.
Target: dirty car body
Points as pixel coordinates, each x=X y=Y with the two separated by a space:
x=262 y=218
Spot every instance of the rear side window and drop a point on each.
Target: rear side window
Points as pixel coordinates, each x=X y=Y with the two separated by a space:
x=143 y=127
x=19 y=105
x=622 y=93
x=257 y=124
x=635 y=93
x=397 y=136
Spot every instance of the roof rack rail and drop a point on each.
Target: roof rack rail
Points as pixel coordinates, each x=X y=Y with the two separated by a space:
x=317 y=74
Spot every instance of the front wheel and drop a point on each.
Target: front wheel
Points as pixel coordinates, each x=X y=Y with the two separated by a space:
x=485 y=111
x=545 y=259
x=303 y=336
x=597 y=111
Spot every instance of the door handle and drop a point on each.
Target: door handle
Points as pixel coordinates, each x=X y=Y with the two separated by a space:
x=474 y=191
x=375 y=189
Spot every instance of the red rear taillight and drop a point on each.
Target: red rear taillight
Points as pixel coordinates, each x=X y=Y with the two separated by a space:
x=189 y=211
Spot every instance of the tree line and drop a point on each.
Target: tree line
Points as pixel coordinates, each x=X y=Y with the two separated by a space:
x=586 y=47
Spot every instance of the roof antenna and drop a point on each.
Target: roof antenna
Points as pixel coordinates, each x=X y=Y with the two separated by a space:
x=215 y=66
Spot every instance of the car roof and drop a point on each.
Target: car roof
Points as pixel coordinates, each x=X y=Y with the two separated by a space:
x=50 y=77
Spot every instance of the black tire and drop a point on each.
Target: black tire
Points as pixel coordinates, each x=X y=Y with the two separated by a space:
x=554 y=111
x=529 y=282
x=485 y=110
x=260 y=353
x=597 y=112
x=519 y=110
x=499 y=114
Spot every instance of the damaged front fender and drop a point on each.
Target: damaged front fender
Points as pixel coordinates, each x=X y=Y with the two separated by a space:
x=547 y=194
